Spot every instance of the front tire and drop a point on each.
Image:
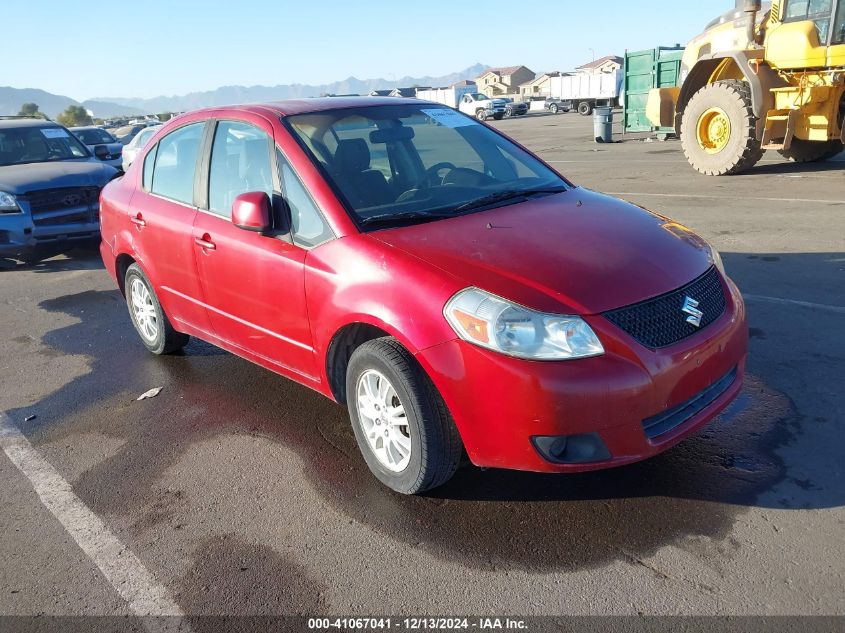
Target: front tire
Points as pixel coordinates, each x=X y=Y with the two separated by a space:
x=553 y=108
x=401 y=424
x=148 y=317
x=719 y=129
x=481 y=114
x=801 y=151
x=498 y=116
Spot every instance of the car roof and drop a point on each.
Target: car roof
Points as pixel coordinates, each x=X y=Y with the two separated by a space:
x=26 y=122
x=290 y=107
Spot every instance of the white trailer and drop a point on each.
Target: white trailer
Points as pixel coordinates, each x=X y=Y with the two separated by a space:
x=447 y=96
x=583 y=91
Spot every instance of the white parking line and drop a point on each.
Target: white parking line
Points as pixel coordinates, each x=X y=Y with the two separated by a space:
x=712 y=197
x=795 y=302
x=135 y=584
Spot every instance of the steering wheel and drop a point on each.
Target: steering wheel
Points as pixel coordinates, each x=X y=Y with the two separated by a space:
x=431 y=173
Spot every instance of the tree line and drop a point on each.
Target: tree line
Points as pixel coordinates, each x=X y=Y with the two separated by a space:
x=73 y=116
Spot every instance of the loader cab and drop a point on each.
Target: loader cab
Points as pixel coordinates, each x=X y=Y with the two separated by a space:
x=806 y=34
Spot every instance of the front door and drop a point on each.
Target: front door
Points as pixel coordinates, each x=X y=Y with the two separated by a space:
x=253 y=284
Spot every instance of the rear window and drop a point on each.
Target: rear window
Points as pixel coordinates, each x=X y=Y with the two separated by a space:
x=94 y=136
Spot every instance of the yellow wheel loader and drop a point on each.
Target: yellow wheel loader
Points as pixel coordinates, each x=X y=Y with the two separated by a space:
x=758 y=78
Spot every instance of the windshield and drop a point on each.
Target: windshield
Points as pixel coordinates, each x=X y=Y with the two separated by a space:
x=94 y=136
x=127 y=133
x=22 y=145
x=407 y=162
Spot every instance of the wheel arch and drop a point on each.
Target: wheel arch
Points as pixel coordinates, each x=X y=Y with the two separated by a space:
x=343 y=344
x=745 y=66
x=122 y=264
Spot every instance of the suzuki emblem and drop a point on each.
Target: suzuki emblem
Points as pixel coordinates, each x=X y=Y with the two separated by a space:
x=690 y=307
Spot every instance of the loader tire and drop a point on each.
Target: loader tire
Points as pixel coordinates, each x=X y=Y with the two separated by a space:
x=711 y=147
x=801 y=151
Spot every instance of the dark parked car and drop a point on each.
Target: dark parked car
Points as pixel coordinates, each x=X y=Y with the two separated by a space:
x=515 y=108
x=102 y=144
x=556 y=105
x=49 y=188
x=125 y=134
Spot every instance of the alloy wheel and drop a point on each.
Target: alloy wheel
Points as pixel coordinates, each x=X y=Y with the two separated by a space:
x=144 y=309
x=383 y=421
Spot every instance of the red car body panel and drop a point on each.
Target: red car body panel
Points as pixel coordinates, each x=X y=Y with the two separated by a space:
x=577 y=252
x=610 y=394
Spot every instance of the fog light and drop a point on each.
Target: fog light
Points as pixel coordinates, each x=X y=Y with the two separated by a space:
x=571 y=449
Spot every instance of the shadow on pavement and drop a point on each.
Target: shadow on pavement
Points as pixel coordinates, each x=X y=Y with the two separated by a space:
x=87 y=258
x=689 y=496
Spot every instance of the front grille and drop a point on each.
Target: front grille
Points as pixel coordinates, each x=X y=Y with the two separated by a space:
x=657 y=425
x=68 y=205
x=660 y=321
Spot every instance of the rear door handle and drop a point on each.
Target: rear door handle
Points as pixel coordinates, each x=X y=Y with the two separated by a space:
x=138 y=221
x=205 y=242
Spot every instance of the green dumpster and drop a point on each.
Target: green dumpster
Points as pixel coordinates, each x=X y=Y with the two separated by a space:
x=644 y=70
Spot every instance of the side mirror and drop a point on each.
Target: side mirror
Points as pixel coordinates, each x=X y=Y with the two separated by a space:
x=251 y=212
x=101 y=152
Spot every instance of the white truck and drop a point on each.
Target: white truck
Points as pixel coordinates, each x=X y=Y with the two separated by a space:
x=465 y=99
x=583 y=92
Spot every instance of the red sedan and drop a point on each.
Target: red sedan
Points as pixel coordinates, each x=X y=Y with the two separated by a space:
x=454 y=291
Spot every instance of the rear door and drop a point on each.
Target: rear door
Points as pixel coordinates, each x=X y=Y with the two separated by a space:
x=162 y=213
x=253 y=284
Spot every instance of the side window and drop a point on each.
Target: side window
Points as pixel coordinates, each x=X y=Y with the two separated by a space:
x=175 y=163
x=309 y=228
x=240 y=163
x=149 y=163
x=839 y=26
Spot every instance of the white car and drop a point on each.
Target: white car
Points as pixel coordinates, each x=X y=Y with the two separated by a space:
x=131 y=150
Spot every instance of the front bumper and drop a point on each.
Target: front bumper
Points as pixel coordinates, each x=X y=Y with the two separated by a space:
x=19 y=234
x=500 y=403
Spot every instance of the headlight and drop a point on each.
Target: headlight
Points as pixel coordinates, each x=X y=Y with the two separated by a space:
x=8 y=203
x=492 y=322
x=716 y=260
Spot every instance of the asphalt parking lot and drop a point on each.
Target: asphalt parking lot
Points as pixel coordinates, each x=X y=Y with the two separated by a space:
x=243 y=493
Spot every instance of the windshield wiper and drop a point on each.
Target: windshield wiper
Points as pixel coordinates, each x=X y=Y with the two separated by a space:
x=501 y=196
x=406 y=216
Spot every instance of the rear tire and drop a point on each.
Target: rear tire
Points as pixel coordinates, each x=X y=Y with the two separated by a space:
x=801 y=151
x=585 y=108
x=148 y=317
x=739 y=150
x=553 y=108
x=427 y=428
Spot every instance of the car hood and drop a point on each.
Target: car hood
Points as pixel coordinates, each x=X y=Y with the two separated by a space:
x=18 y=179
x=576 y=252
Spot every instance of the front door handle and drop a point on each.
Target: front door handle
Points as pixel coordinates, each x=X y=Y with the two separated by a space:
x=205 y=242
x=138 y=221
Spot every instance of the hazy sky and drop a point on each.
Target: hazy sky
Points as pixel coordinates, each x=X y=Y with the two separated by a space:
x=103 y=48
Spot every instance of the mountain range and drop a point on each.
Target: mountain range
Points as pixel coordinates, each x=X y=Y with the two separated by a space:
x=11 y=99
